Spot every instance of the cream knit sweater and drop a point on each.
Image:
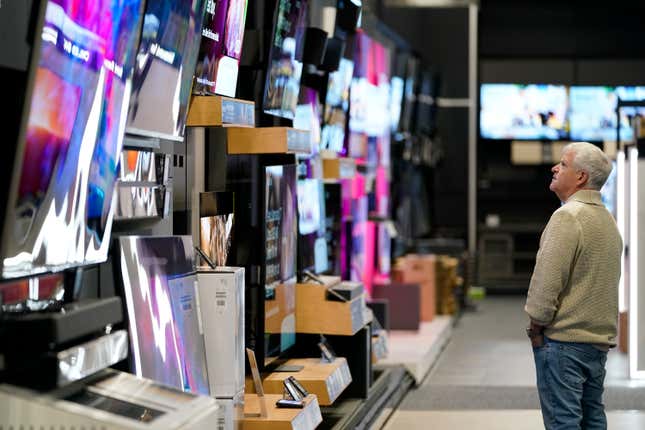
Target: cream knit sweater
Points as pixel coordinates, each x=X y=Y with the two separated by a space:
x=574 y=287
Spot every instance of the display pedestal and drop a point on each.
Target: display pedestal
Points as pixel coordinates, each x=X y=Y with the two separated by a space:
x=338 y=168
x=217 y=111
x=307 y=418
x=263 y=140
x=319 y=311
x=326 y=380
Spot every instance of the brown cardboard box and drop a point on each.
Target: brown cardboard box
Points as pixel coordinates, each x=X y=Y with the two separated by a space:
x=419 y=269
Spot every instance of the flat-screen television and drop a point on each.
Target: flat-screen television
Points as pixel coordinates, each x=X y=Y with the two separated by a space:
x=284 y=71
x=609 y=191
x=312 y=246
x=336 y=108
x=157 y=277
x=308 y=116
x=397 y=89
x=163 y=76
x=523 y=112
x=216 y=218
x=221 y=47
x=358 y=262
x=61 y=202
x=265 y=244
x=409 y=94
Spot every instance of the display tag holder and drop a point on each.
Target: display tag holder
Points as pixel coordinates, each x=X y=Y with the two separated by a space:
x=326 y=350
x=259 y=389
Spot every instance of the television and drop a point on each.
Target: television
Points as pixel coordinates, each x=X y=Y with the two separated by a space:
x=284 y=71
x=358 y=258
x=397 y=88
x=163 y=75
x=216 y=218
x=409 y=94
x=307 y=116
x=312 y=246
x=609 y=191
x=265 y=243
x=523 y=112
x=336 y=108
x=61 y=199
x=221 y=47
x=157 y=277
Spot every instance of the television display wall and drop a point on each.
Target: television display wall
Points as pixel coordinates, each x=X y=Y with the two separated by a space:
x=163 y=76
x=61 y=205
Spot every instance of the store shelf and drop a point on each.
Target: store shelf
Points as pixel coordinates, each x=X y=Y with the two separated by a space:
x=318 y=313
x=217 y=111
x=263 y=140
x=307 y=418
x=326 y=380
x=339 y=168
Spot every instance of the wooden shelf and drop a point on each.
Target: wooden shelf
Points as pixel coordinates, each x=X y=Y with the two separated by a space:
x=338 y=168
x=317 y=314
x=263 y=140
x=218 y=111
x=326 y=380
x=307 y=418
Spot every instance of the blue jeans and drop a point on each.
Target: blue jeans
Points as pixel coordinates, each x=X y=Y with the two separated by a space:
x=570 y=379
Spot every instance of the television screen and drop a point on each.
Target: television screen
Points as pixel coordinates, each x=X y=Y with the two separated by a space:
x=285 y=65
x=409 y=94
x=397 y=87
x=62 y=203
x=308 y=116
x=221 y=47
x=336 y=108
x=609 y=191
x=281 y=237
x=312 y=247
x=512 y=111
x=216 y=217
x=158 y=281
x=163 y=75
x=358 y=261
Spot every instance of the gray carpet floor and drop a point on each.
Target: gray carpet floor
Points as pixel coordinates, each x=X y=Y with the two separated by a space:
x=488 y=364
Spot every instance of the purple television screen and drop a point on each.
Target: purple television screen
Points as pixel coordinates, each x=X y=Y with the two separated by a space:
x=221 y=47
x=285 y=67
x=159 y=287
x=165 y=65
x=62 y=209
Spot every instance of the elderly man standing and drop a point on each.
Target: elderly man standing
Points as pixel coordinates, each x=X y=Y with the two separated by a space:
x=573 y=296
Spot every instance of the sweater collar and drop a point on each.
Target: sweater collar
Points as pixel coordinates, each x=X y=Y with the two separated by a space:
x=591 y=197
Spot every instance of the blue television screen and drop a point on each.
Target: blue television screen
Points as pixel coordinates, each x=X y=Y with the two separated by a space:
x=513 y=111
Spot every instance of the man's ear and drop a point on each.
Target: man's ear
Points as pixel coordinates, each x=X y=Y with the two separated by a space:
x=583 y=178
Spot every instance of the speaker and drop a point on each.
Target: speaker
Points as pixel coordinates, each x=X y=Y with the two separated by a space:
x=334 y=52
x=347 y=15
x=315 y=46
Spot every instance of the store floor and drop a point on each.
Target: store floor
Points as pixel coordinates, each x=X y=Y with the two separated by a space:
x=485 y=379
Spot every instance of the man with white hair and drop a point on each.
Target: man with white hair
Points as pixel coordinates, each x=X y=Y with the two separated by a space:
x=572 y=300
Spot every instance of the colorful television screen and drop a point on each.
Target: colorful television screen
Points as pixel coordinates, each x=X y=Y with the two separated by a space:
x=512 y=111
x=397 y=87
x=63 y=205
x=281 y=235
x=336 y=108
x=308 y=116
x=163 y=76
x=285 y=66
x=312 y=247
x=221 y=47
x=158 y=279
x=216 y=218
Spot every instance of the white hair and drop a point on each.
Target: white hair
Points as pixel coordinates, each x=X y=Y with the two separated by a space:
x=589 y=158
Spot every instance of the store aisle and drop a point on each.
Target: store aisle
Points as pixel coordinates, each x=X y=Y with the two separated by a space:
x=485 y=379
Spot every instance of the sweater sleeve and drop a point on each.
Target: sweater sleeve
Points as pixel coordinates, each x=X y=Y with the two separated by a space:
x=555 y=259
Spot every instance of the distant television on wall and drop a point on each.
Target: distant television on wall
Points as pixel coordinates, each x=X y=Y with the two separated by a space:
x=221 y=47
x=523 y=112
x=312 y=246
x=61 y=195
x=284 y=70
x=337 y=108
x=165 y=64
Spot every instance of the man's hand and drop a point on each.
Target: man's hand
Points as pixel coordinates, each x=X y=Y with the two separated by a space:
x=537 y=341
x=536 y=334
